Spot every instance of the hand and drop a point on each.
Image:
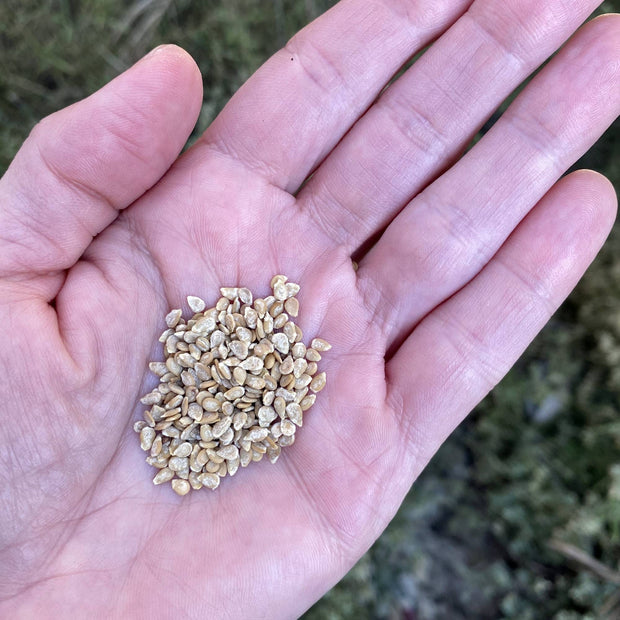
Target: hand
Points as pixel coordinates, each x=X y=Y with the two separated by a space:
x=104 y=230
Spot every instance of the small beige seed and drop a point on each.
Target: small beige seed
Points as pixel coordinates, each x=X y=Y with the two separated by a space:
x=254 y=382
x=194 y=480
x=318 y=383
x=287 y=427
x=279 y=291
x=281 y=343
x=286 y=367
x=234 y=393
x=229 y=292
x=233 y=466
x=195 y=303
x=163 y=475
x=147 y=435
x=212 y=467
x=252 y=364
x=158 y=368
x=240 y=375
x=257 y=434
x=260 y=307
x=245 y=457
x=292 y=289
x=266 y=415
x=227 y=437
x=289 y=331
x=291 y=305
x=180 y=487
x=185 y=449
x=139 y=425
x=295 y=414
x=154 y=398
x=178 y=463
x=298 y=350
x=173 y=366
x=210 y=404
x=221 y=427
x=320 y=345
x=165 y=335
x=307 y=402
x=228 y=452
x=312 y=355
x=288 y=440
x=280 y=321
x=211 y=481
x=173 y=317
x=206 y=432
x=279 y=404
x=245 y=296
x=278 y=279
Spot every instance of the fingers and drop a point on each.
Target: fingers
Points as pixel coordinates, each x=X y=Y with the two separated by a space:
x=428 y=116
x=464 y=347
x=453 y=228
x=298 y=105
x=81 y=165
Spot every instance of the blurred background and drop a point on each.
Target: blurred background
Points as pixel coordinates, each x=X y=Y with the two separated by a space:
x=518 y=515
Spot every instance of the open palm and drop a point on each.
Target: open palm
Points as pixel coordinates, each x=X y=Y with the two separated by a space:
x=102 y=232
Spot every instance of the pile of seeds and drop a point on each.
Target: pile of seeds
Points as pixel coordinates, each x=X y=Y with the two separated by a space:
x=234 y=386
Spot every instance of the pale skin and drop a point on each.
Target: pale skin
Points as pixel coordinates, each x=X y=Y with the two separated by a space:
x=104 y=228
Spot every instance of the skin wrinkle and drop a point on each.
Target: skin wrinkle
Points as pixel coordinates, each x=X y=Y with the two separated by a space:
x=531 y=283
x=507 y=46
x=221 y=147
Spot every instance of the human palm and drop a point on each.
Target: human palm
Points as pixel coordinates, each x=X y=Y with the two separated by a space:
x=104 y=230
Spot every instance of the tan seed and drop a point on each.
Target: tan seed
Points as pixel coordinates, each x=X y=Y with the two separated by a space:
x=252 y=364
x=291 y=305
x=240 y=375
x=307 y=402
x=195 y=303
x=173 y=317
x=281 y=343
x=210 y=404
x=312 y=355
x=292 y=289
x=163 y=475
x=295 y=414
x=234 y=393
x=185 y=449
x=180 y=487
x=147 y=435
x=228 y=452
x=211 y=481
x=320 y=345
x=221 y=427
x=318 y=383
x=229 y=292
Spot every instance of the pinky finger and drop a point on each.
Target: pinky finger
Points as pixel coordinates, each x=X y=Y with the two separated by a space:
x=460 y=351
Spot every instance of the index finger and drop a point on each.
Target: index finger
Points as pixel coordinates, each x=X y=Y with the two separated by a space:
x=300 y=103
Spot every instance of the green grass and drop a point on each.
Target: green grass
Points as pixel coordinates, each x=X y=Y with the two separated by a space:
x=538 y=461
